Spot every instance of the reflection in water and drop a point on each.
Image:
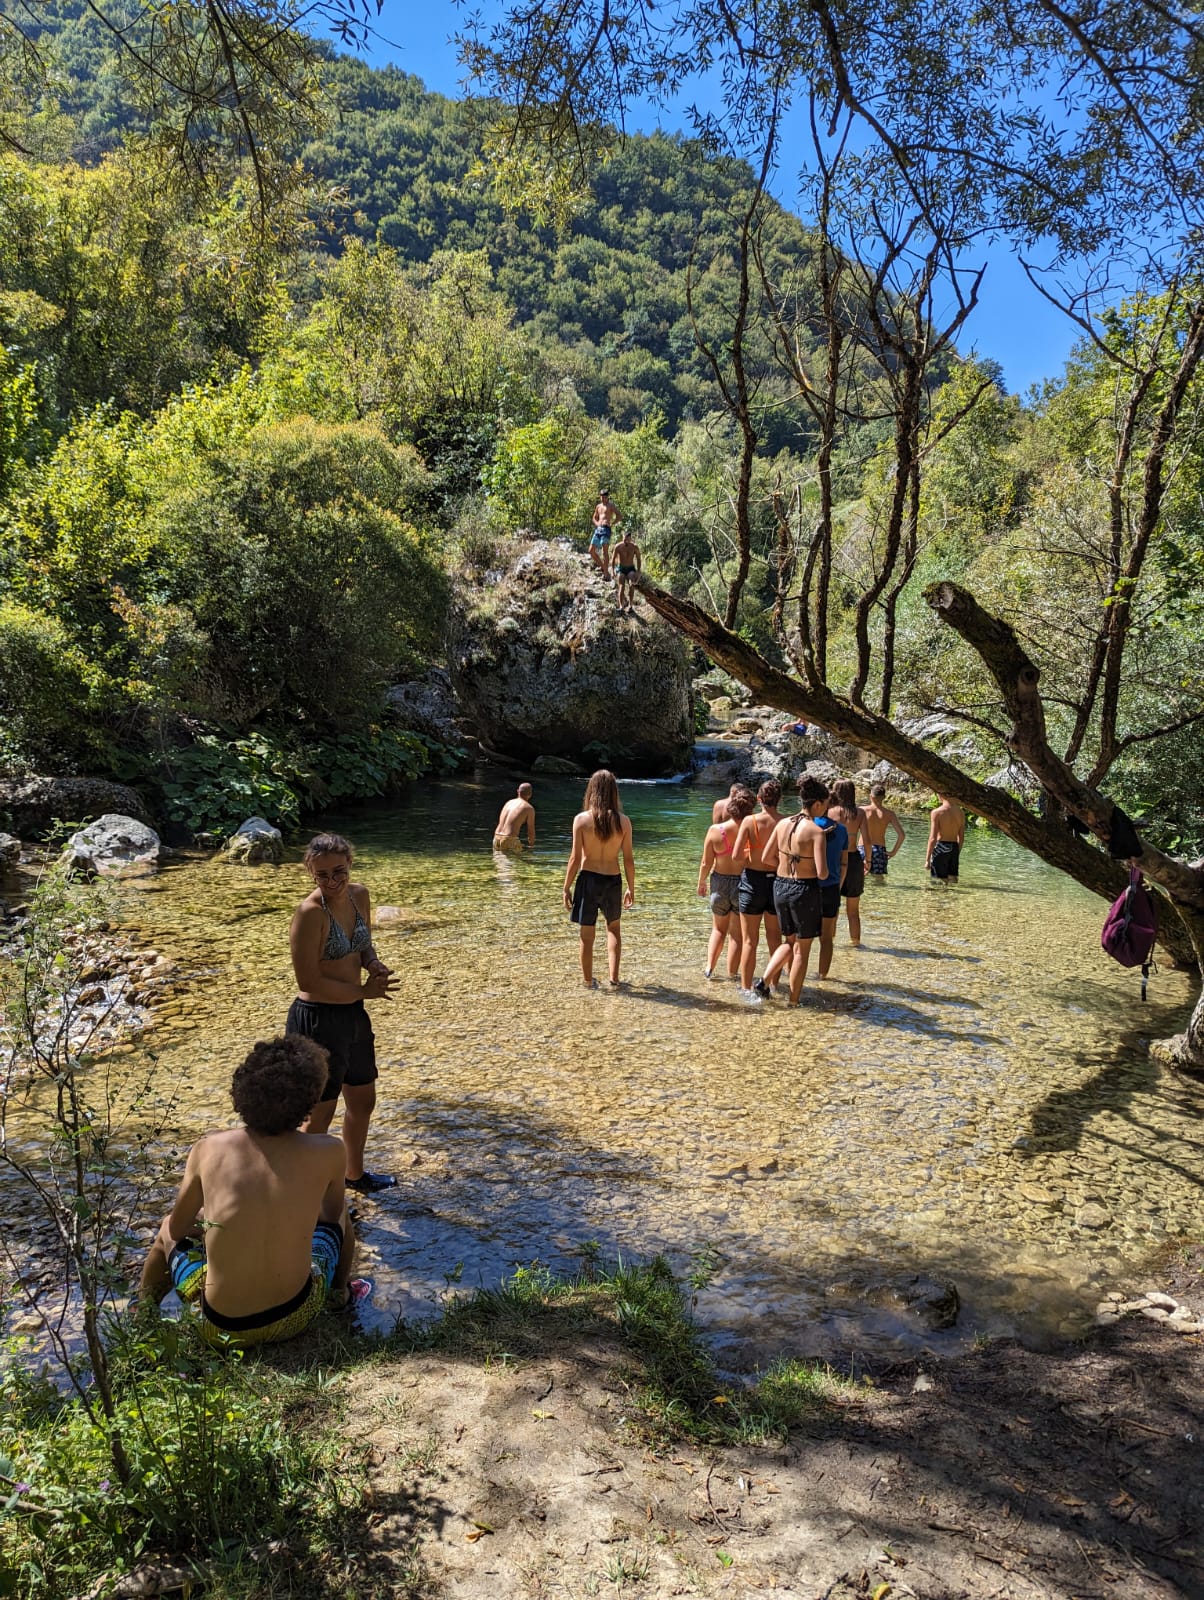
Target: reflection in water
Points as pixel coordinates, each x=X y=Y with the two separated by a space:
x=949 y=1101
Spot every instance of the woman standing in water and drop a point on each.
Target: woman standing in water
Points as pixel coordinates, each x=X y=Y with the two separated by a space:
x=331 y=946
x=592 y=882
x=719 y=874
x=844 y=808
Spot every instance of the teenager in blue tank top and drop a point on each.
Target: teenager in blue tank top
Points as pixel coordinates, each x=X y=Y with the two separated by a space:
x=836 y=842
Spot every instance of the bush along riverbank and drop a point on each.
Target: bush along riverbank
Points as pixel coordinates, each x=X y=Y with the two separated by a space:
x=555 y=1435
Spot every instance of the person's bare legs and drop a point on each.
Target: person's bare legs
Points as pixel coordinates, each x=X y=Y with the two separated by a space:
x=614 y=948
x=155 y=1279
x=320 y=1117
x=798 y=968
x=750 y=928
x=596 y=559
x=773 y=933
x=827 y=938
x=715 y=942
x=359 y=1101
x=587 y=954
x=342 y=1273
x=780 y=958
x=735 y=944
x=853 y=907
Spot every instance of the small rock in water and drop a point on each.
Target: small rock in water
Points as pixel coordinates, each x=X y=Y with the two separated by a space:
x=1039 y=1195
x=1092 y=1215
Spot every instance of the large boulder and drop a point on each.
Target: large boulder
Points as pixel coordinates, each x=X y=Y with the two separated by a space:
x=10 y=851
x=255 y=841
x=113 y=844
x=427 y=705
x=543 y=664
x=34 y=804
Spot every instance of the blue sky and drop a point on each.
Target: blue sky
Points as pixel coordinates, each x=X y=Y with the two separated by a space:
x=1013 y=324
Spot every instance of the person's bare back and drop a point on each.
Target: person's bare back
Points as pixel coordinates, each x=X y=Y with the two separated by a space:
x=260 y=1197
x=946 y=835
x=878 y=819
x=515 y=815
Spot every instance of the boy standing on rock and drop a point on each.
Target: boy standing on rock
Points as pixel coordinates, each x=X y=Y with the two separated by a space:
x=606 y=519
x=628 y=562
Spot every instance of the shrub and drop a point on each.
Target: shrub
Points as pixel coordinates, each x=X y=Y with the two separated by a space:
x=44 y=690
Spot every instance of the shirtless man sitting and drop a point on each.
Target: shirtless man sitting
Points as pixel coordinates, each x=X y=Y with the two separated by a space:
x=946 y=835
x=515 y=815
x=277 y=1243
x=601 y=835
x=878 y=818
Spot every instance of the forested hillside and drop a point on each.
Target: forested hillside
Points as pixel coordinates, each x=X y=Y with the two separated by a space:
x=220 y=438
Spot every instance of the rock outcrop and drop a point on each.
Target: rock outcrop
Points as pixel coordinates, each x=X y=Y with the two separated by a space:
x=427 y=705
x=113 y=844
x=542 y=664
x=34 y=804
x=256 y=841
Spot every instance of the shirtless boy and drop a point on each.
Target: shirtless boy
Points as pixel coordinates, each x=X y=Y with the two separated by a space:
x=515 y=815
x=592 y=883
x=946 y=835
x=606 y=519
x=754 y=848
x=628 y=562
x=878 y=818
x=277 y=1241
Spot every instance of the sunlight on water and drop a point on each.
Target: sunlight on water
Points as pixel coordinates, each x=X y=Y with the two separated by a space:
x=947 y=1103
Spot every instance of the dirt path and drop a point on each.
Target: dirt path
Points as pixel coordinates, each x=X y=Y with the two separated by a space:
x=1006 y=1473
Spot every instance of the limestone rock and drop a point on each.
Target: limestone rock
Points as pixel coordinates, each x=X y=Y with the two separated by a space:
x=557 y=767
x=10 y=850
x=542 y=664
x=427 y=705
x=33 y=804
x=113 y=844
x=934 y=1299
x=1093 y=1215
x=255 y=841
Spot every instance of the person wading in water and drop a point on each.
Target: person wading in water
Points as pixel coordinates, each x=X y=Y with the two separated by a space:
x=592 y=881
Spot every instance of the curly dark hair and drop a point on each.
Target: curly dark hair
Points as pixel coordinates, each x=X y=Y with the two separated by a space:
x=770 y=792
x=279 y=1083
x=741 y=803
x=811 y=789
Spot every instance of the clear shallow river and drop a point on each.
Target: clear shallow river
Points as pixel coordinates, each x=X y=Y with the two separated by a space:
x=948 y=1102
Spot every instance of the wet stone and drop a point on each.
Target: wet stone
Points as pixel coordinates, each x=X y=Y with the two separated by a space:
x=1093 y=1216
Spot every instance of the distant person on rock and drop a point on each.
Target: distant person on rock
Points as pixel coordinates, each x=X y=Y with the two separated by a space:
x=878 y=818
x=606 y=520
x=592 y=880
x=946 y=835
x=275 y=1244
x=628 y=563
x=844 y=808
x=719 y=875
x=515 y=815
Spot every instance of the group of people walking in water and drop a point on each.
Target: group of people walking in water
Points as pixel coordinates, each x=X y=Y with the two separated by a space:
x=269 y=1199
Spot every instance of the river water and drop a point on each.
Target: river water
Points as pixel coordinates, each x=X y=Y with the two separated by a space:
x=966 y=1096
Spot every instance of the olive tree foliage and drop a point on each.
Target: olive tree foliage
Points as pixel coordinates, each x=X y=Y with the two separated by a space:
x=1069 y=128
x=211 y=81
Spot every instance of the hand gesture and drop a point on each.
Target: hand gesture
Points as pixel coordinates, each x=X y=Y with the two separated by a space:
x=568 y=900
x=380 y=986
x=377 y=969
x=628 y=899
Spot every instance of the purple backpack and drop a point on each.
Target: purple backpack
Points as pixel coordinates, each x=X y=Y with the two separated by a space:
x=1131 y=927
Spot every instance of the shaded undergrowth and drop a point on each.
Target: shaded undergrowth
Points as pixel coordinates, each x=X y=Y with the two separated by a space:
x=240 y=1470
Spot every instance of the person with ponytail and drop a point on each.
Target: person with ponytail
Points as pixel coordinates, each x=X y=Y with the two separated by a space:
x=592 y=880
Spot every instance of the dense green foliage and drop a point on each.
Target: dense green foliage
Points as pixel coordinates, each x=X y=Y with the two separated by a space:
x=236 y=469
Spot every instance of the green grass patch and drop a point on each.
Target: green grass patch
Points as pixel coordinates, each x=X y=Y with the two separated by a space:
x=645 y=1311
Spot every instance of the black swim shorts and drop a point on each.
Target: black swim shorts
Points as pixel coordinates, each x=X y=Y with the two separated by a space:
x=594 y=892
x=946 y=856
x=345 y=1033
x=854 y=878
x=800 y=907
x=756 y=893
x=829 y=899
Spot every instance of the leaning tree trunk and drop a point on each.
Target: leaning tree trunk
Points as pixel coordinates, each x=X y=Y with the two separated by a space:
x=1050 y=840
x=1018 y=680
